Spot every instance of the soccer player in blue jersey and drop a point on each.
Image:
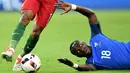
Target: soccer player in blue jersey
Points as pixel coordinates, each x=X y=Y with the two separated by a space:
x=103 y=52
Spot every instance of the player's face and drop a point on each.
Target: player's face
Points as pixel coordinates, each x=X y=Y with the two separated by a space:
x=81 y=50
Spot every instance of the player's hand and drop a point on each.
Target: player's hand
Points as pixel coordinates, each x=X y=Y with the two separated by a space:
x=64 y=6
x=66 y=62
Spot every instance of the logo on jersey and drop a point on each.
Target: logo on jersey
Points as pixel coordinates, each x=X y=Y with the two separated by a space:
x=97 y=44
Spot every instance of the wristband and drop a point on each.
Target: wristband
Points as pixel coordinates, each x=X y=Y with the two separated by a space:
x=75 y=65
x=73 y=7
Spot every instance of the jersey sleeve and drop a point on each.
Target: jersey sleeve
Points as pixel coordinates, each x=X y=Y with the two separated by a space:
x=95 y=29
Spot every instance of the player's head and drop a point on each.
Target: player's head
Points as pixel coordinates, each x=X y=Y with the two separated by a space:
x=80 y=49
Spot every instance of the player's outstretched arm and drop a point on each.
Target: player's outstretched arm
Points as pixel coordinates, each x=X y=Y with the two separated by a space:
x=89 y=13
x=85 y=67
x=85 y=11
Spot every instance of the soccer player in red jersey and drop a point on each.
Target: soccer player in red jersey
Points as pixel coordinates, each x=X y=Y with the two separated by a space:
x=43 y=11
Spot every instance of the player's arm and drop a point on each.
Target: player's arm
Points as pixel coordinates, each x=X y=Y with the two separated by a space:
x=93 y=21
x=83 y=10
x=85 y=67
x=89 y=13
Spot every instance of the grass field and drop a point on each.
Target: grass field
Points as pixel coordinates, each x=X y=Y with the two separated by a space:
x=57 y=36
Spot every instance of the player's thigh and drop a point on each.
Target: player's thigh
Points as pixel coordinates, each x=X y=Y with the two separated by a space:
x=44 y=15
x=32 y=5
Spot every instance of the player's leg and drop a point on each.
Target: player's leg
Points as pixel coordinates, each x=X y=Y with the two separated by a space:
x=27 y=13
x=43 y=17
x=30 y=44
x=26 y=16
x=32 y=40
x=32 y=7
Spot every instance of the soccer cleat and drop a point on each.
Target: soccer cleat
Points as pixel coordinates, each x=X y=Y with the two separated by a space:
x=8 y=54
x=17 y=65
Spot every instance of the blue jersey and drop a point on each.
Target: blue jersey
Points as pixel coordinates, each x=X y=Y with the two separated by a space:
x=108 y=53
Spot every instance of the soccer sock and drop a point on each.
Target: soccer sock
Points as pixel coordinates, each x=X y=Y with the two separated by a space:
x=17 y=34
x=31 y=42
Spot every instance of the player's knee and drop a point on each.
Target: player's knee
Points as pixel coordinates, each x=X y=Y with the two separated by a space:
x=36 y=33
x=37 y=30
x=26 y=16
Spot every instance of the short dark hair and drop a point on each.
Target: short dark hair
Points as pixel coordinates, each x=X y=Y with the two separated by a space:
x=73 y=44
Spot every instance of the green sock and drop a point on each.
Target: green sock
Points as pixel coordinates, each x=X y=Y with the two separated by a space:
x=31 y=42
x=17 y=34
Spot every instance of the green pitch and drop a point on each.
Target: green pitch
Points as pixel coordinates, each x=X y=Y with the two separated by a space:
x=56 y=37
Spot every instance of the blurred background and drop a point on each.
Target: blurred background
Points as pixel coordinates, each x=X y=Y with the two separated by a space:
x=10 y=5
x=113 y=15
